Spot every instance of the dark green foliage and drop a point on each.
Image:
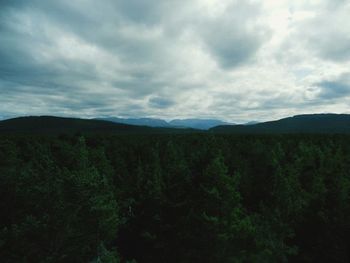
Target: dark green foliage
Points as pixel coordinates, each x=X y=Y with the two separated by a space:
x=54 y=212
x=175 y=198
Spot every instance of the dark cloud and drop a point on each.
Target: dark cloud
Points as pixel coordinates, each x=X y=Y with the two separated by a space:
x=334 y=89
x=61 y=51
x=234 y=39
x=232 y=50
x=160 y=103
x=153 y=58
x=145 y=11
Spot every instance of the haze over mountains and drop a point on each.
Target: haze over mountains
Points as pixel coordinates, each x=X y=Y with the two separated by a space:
x=151 y=122
x=201 y=124
x=308 y=123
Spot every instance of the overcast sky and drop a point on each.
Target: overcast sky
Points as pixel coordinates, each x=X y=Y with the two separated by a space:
x=232 y=60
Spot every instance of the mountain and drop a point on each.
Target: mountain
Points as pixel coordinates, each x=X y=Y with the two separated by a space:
x=202 y=124
x=58 y=125
x=138 y=121
x=308 y=123
x=251 y=123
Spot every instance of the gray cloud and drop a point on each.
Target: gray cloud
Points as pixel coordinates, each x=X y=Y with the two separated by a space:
x=234 y=39
x=160 y=103
x=173 y=59
x=334 y=46
x=327 y=33
x=335 y=89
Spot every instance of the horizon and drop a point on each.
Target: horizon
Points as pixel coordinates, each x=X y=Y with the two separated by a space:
x=235 y=61
x=169 y=120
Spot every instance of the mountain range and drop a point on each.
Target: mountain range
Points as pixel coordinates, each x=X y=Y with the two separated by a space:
x=308 y=123
x=201 y=124
x=151 y=122
x=60 y=125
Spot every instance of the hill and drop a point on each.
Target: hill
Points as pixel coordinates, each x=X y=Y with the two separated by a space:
x=57 y=125
x=307 y=123
x=202 y=124
x=151 y=122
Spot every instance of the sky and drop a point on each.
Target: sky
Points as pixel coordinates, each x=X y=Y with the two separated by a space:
x=235 y=60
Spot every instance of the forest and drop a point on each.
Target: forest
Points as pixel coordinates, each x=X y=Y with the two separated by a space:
x=200 y=197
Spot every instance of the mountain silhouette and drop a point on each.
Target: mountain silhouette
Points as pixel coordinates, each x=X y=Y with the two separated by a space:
x=307 y=123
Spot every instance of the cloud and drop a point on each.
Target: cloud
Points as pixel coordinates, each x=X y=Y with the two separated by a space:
x=229 y=59
x=326 y=32
x=339 y=88
x=160 y=103
x=233 y=37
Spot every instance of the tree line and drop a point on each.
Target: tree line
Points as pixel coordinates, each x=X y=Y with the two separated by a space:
x=175 y=198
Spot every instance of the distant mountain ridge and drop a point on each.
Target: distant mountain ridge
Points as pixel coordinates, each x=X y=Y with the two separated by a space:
x=306 y=123
x=151 y=122
x=201 y=124
x=61 y=125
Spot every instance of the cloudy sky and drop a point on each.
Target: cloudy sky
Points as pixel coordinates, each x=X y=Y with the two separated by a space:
x=230 y=59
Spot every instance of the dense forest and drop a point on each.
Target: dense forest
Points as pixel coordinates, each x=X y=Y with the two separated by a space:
x=174 y=198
